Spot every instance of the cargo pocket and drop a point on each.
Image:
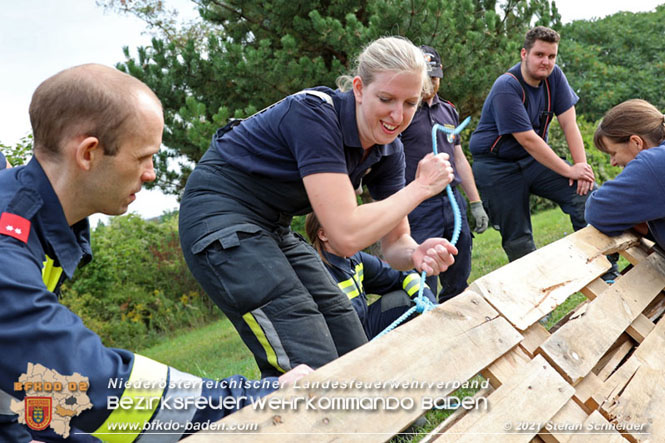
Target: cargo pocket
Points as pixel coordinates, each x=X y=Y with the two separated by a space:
x=247 y=264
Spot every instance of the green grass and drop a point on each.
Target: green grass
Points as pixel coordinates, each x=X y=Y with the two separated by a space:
x=216 y=351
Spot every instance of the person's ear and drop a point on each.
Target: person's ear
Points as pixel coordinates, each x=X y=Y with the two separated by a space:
x=88 y=150
x=322 y=235
x=638 y=142
x=523 y=54
x=358 y=89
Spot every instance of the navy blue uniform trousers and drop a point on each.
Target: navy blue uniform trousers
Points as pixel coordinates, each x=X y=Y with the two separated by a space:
x=505 y=187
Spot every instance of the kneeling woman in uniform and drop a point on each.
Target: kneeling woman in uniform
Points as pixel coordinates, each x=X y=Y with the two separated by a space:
x=308 y=152
x=633 y=134
x=363 y=274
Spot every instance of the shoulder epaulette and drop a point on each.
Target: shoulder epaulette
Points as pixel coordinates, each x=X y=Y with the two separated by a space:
x=15 y=226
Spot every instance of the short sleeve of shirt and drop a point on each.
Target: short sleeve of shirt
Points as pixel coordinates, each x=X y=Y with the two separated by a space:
x=3 y=161
x=564 y=96
x=507 y=108
x=314 y=136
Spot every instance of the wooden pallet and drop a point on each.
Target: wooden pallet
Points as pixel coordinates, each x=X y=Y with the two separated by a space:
x=598 y=375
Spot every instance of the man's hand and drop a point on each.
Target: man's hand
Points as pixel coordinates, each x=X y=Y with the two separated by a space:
x=294 y=375
x=434 y=256
x=583 y=173
x=583 y=186
x=580 y=171
x=480 y=216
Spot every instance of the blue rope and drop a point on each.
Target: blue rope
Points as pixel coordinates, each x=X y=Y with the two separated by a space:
x=423 y=304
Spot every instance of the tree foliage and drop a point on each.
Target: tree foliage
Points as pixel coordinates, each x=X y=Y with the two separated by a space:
x=614 y=59
x=256 y=52
x=18 y=154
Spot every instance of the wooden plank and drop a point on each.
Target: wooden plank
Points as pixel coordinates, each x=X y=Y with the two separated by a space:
x=638 y=412
x=577 y=312
x=532 y=395
x=596 y=429
x=534 y=336
x=453 y=418
x=450 y=343
x=558 y=428
x=649 y=353
x=579 y=344
x=635 y=254
x=585 y=390
x=505 y=366
x=554 y=272
x=608 y=364
x=594 y=288
x=656 y=308
x=640 y=328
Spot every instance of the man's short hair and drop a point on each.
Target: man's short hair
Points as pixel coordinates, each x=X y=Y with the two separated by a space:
x=540 y=33
x=89 y=100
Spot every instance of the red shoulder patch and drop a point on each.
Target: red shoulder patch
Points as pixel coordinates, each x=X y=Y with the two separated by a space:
x=14 y=226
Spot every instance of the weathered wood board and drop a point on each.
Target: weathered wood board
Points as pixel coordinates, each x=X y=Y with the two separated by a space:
x=579 y=344
x=468 y=335
x=529 y=288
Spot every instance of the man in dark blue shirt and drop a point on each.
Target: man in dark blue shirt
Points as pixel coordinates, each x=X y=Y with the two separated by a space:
x=93 y=150
x=434 y=216
x=511 y=157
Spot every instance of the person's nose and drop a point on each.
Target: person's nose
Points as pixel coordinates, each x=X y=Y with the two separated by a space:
x=397 y=114
x=149 y=174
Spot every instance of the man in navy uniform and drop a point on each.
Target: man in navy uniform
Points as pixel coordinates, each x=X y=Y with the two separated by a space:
x=95 y=133
x=511 y=157
x=434 y=216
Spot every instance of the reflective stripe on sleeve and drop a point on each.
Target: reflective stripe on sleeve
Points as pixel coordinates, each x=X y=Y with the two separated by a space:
x=353 y=286
x=411 y=284
x=349 y=287
x=266 y=334
x=145 y=387
x=181 y=385
x=51 y=274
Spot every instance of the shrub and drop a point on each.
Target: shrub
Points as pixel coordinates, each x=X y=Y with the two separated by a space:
x=138 y=286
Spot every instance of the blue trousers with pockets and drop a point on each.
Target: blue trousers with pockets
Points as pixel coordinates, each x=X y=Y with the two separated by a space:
x=505 y=187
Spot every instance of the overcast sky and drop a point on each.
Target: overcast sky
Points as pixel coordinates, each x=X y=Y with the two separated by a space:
x=41 y=37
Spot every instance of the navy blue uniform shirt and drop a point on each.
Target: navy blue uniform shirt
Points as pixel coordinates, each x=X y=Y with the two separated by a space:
x=417 y=138
x=303 y=135
x=504 y=113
